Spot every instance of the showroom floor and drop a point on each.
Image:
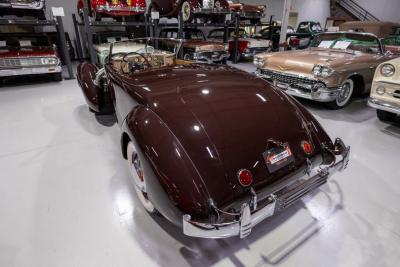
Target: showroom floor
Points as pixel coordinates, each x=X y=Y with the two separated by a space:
x=66 y=198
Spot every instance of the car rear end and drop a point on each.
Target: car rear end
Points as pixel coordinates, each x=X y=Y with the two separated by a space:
x=120 y=8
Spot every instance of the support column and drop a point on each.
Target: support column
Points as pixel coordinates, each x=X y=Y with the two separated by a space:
x=285 y=21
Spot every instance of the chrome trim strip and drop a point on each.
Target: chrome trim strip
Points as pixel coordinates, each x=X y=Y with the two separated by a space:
x=384 y=105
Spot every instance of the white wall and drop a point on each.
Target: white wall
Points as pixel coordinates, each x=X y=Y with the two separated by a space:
x=385 y=10
x=316 y=10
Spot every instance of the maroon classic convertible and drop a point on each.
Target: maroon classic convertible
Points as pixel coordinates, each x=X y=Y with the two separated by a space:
x=203 y=147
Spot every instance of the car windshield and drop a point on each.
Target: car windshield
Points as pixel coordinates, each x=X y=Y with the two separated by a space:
x=347 y=41
x=21 y=41
x=111 y=37
x=306 y=27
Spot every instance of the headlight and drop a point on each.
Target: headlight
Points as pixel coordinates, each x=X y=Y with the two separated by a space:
x=322 y=71
x=388 y=70
x=381 y=90
x=50 y=61
x=259 y=62
x=198 y=49
x=226 y=47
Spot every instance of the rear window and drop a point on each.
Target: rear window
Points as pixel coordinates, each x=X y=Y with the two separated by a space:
x=24 y=41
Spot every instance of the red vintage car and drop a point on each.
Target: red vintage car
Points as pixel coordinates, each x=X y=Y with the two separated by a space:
x=254 y=13
x=113 y=8
x=191 y=8
x=215 y=150
x=28 y=54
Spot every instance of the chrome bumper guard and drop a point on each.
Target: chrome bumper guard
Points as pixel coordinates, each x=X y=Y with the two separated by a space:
x=316 y=90
x=9 y=72
x=311 y=180
x=121 y=8
x=384 y=105
x=20 y=5
x=211 y=11
x=210 y=57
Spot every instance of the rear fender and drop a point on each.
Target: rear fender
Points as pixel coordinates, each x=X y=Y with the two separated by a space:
x=172 y=182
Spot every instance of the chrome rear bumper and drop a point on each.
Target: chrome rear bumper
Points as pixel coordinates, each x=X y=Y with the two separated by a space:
x=137 y=9
x=384 y=105
x=38 y=5
x=311 y=180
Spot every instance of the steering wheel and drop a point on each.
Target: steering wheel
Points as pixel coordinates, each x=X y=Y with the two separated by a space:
x=136 y=65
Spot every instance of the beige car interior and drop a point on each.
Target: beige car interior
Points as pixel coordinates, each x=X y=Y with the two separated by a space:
x=157 y=59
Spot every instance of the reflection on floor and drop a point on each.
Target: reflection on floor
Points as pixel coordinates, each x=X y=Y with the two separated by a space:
x=66 y=198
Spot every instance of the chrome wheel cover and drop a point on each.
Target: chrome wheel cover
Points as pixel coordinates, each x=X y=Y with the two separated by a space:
x=345 y=93
x=186 y=11
x=137 y=173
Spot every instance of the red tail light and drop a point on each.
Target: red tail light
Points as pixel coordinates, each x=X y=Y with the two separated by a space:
x=245 y=177
x=307 y=147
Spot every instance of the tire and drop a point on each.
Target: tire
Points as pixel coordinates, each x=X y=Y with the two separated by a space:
x=238 y=56
x=385 y=116
x=187 y=57
x=138 y=175
x=186 y=12
x=41 y=14
x=344 y=96
x=57 y=77
x=255 y=21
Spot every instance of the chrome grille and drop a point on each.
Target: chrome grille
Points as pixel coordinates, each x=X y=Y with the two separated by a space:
x=292 y=80
x=21 y=62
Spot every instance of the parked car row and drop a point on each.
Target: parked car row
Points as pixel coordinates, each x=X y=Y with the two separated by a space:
x=203 y=9
x=337 y=66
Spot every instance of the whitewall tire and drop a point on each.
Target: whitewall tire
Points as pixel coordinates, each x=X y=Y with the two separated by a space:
x=138 y=175
x=344 y=95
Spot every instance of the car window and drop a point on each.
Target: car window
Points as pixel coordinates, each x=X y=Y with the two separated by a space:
x=348 y=41
x=216 y=35
x=24 y=41
x=194 y=35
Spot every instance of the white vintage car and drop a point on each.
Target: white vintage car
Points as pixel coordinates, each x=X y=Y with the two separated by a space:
x=103 y=40
x=385 y=93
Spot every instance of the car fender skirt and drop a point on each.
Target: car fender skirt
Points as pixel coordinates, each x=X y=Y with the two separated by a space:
x=175 y=175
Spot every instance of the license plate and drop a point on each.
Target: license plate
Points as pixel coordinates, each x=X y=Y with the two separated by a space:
x=277 y=158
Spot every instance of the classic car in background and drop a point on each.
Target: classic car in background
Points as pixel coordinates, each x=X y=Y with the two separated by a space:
x=113 y=8
x=336 y=67
x=385 y=92
x=190 y=9
x=22 y=8
x=102 y=41
x=254 y=13
x=197 y=158
x=54 y=39
x=28 y=54
x=247 y=47
x=274 y=33
x=195 y=46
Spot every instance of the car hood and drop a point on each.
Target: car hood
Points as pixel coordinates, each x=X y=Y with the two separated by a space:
x=224 y=118
x=26 y=52
x=204 y=45
x=303 y=61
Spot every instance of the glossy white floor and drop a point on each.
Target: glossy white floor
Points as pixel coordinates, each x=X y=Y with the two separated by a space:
x=66 y=198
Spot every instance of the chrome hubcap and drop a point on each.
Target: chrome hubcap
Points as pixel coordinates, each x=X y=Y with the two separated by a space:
x=186 y=11
x=344 y=94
